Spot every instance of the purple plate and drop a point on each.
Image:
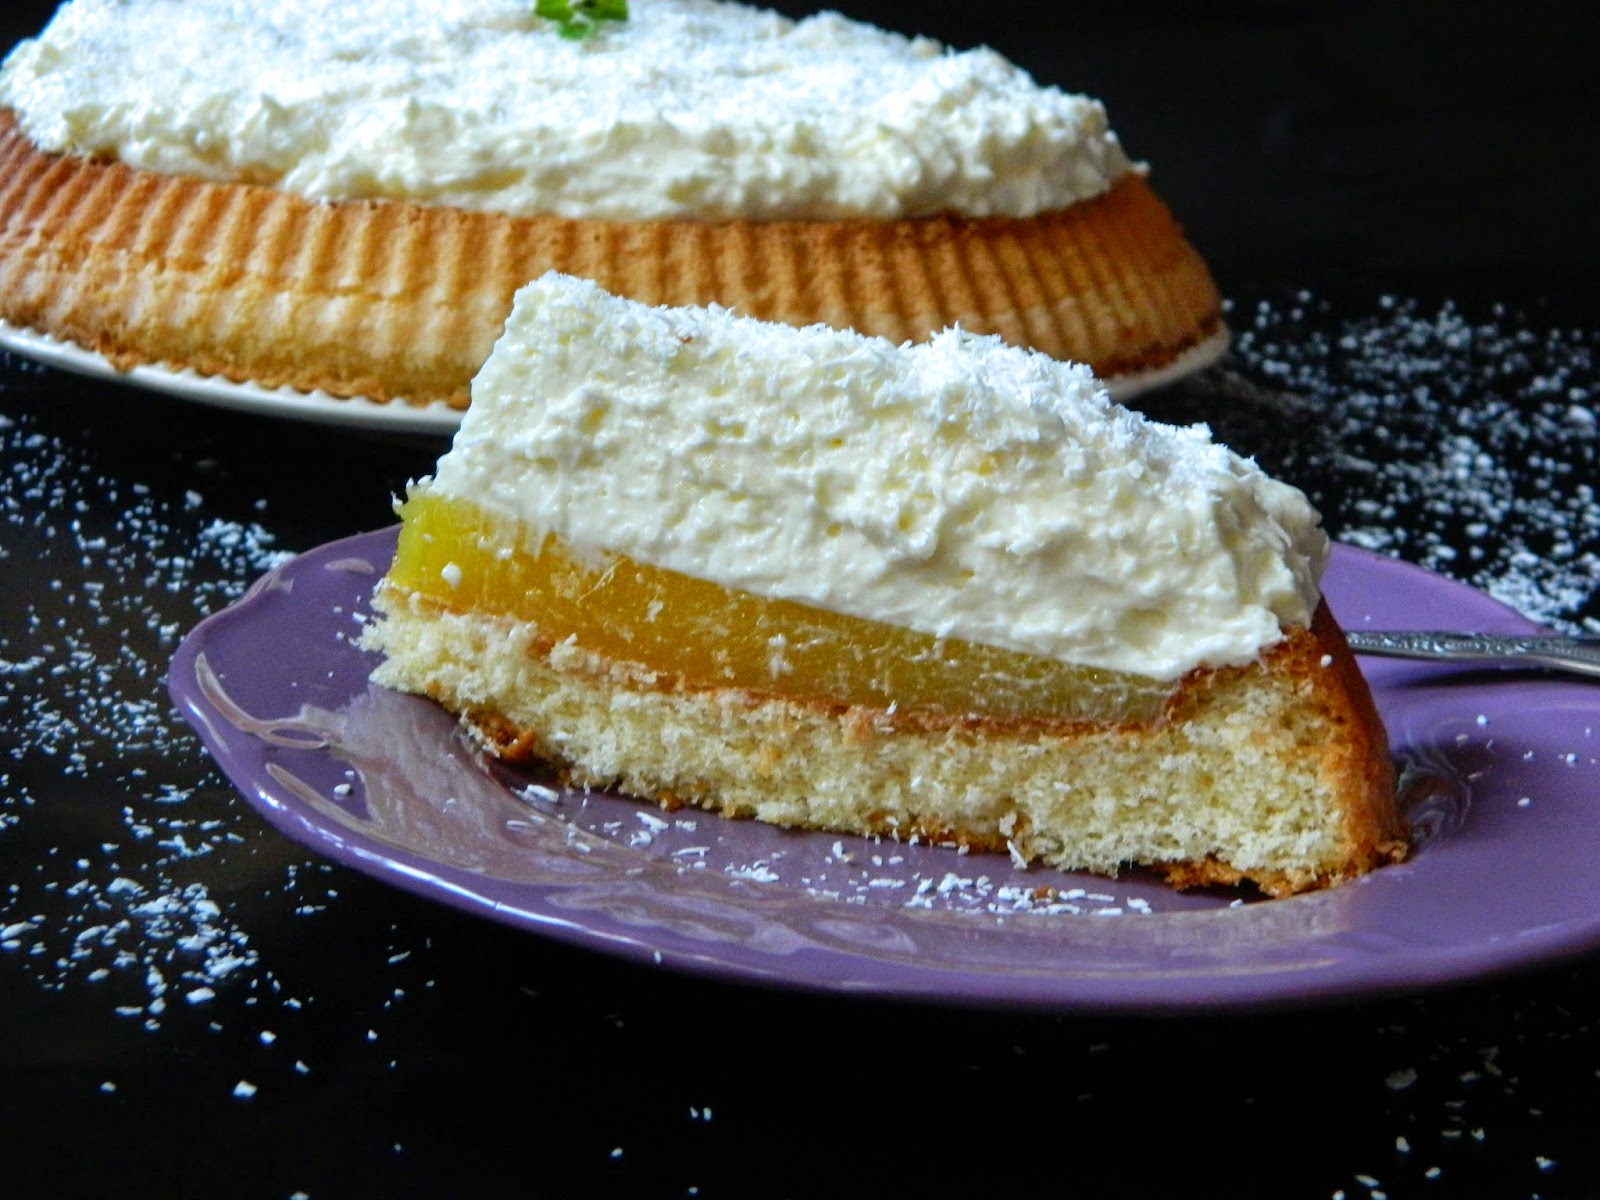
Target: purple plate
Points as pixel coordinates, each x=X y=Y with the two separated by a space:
x=1505 y=776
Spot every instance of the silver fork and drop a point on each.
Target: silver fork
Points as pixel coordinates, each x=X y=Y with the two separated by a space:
x=1578 y=655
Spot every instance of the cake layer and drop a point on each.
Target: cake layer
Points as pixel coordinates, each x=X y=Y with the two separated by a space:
x=1268 y=774
x=394 y=300
x=458 y=558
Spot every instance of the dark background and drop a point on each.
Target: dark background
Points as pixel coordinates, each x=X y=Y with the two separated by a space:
x=1323 y=157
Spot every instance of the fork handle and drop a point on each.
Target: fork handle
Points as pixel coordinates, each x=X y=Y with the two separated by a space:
x=1579 y=655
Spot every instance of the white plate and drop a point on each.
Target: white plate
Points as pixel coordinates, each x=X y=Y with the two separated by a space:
x=437 y=419
x=318 y=407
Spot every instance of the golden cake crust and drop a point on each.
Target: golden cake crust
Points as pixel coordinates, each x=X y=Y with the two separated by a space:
x=399 y=301
x=1299 y=721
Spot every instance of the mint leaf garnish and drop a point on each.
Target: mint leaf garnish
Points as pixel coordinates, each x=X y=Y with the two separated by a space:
x=578 y=19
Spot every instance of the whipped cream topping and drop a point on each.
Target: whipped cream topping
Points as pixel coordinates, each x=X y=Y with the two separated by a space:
x=962 y=487
x=690 y=108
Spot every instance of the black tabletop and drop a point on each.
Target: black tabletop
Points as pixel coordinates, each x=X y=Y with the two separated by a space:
x=1394 y=199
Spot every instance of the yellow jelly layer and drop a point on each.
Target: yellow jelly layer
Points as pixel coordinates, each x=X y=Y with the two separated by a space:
x=467 y=560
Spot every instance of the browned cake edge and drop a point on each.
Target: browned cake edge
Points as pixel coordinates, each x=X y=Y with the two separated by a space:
x=1355 y=753
x=391 y=300
x=742 y=744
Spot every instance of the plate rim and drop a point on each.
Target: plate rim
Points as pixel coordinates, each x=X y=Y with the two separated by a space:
x=316 y=407
x=400 y=416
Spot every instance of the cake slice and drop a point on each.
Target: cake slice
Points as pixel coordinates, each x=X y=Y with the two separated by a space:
x=340 y=196
x=945 y=591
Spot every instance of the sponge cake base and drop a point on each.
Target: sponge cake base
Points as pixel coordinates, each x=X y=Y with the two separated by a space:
x=1276 y=774
x=390 y=300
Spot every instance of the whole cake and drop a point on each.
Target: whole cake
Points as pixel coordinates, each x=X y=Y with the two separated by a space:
x=339 y=195
x=947 y=591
